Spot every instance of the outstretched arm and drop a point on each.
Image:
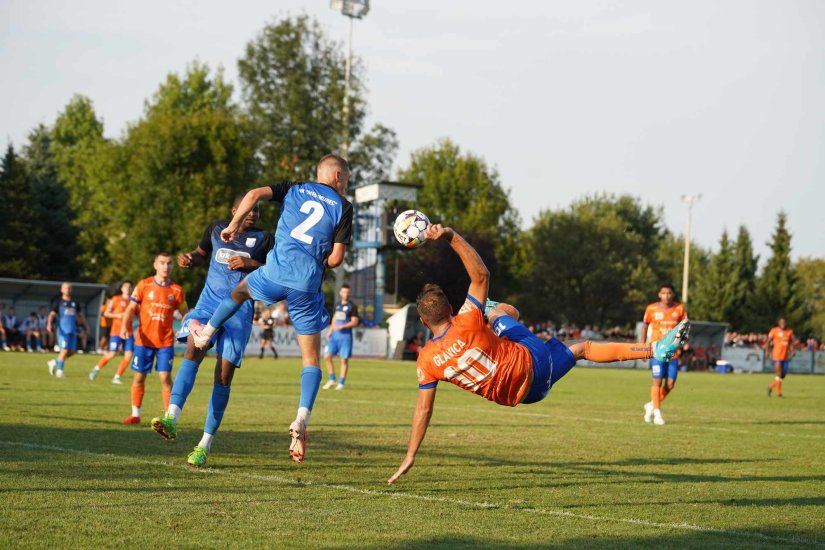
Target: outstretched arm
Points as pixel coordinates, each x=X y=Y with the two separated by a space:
x=421 y=420
x=245 y=207
x=478 y=272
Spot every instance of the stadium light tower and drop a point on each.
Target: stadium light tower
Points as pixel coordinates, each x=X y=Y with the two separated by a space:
x=353 y=9
x=689 y=200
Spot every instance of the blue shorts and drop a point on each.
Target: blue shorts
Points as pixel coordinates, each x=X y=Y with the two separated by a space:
x=66 y=341
x=339 y=344
x=231 y=338
x=664 y=370
x=306 y=309
x=116 y=343
x=551 y=359
x=145 y=357
x=784 y=365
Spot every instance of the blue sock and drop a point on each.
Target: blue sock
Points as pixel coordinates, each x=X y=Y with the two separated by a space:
x=310 y=382
x=217 y=406
x=3 y=342
x=37 y=343
x=227 y=308
x=183 y=382
x=59 y=364
x=342 y=380
x=331 y=377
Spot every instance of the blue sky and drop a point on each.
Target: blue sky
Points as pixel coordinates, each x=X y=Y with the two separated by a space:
x=652 y=98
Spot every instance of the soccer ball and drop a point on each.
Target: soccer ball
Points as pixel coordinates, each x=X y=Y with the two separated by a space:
x=409 y=228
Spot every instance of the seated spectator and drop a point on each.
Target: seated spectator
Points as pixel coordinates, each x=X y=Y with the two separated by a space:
x=10 y=325
x=31 y=331
x=4 y=345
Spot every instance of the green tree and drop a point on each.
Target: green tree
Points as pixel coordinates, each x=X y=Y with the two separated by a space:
x=182 y=164
x=372 y=156
x=292 y=77
x=587 y=266
x=714 y=297
x=777 y=288
x=57 y=237
x=745 y=264
x=18 y=227
x=460 y=190
x=811 y=272
x=86 y=164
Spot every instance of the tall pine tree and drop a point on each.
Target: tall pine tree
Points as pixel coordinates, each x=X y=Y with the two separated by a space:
x=716 y=286
x=777 y=289
x=18 y=227
x=741 y=316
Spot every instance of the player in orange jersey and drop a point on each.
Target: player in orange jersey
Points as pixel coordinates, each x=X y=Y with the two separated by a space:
x=158 y=298
x=503 y=361
x=115 y=311
x=782 y=339
x=660 y=317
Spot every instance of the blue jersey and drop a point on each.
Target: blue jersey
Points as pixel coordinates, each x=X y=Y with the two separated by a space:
x=67 y=316
x=313 y=217
x=344 y=314
x=220 y=280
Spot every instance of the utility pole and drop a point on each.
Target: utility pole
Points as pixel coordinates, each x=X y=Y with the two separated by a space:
x=689 y=200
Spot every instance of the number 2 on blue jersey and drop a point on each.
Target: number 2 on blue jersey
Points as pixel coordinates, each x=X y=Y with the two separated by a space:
x=316 y=212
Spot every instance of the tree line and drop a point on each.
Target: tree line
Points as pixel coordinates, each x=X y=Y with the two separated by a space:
x=80 y=206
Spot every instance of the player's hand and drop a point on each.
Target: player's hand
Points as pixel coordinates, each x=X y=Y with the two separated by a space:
x=403 y=469
x=436 y=231
x=230 y=232
x=124 y=334
x=185 y=259
x=236 y=262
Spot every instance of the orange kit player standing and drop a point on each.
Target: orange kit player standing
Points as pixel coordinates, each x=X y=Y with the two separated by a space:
x=783 y=339
x=660 y=317
x=158 y=298
x=115 y=311
x=503 y=362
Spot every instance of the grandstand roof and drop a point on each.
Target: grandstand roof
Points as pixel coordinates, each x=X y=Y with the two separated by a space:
x=11 y=290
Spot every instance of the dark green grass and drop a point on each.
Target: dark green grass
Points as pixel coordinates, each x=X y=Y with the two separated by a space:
x=581 y=469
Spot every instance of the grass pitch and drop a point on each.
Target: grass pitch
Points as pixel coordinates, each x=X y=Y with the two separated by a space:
x=581 y=469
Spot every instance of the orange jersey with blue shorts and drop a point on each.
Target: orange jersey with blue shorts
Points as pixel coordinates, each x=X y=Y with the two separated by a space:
x=471 y=356
x=782 y=340
x=117 y=305
x=157 y=307
x=660 y=319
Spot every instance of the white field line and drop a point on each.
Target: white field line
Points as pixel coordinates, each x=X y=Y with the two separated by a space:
x=425 y=498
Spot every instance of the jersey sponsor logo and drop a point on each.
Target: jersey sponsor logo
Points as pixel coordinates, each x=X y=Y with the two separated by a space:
x=250 y=241
x=449 y=353
x=222 y=255
x=659 y=315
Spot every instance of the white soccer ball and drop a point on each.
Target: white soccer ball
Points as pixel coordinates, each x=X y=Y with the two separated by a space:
x=409 y=228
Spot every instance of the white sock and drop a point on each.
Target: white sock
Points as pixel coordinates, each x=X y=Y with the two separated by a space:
x=657 y=411
x=208 y=330
x=135 y=411
x=206 y=440
x=303 y=415
x=96 y=368
x=174 y=410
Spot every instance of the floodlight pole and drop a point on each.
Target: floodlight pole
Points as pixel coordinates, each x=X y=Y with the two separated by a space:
x=347 y=74
x=689 y=200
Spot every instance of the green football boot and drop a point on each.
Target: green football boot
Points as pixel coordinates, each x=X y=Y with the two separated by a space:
x=197 y=458
x=166 y=426
x=676 y=337
x=489 y=306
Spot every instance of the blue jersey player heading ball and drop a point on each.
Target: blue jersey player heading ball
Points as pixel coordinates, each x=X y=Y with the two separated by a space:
x=313 y=232
x=228 y=263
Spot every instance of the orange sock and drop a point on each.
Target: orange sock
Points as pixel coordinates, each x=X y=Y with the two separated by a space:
x=102 y=362
x=614 y=351
x=137 y=394
x=654 y=396
x=779 y=387
x=124 y=363
x=166 y=393
x=772 y=385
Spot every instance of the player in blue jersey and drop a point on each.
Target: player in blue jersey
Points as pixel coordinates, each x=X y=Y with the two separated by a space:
x=340 y=338
x=67 y=314
x=228 y=264
x=313 y=232
x=31 y=331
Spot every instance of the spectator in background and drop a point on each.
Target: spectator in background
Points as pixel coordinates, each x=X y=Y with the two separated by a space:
x=30 y=331
x=3 y=343
x=10 y=324
x=42 y=320
x=369 y=317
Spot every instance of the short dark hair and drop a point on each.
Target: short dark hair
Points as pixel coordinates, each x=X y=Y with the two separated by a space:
x=345 y=285
x=432 y=304
x=667 y=285
x=163 y=253
x=238 y=199
x=331 y=158
x=124 y=281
